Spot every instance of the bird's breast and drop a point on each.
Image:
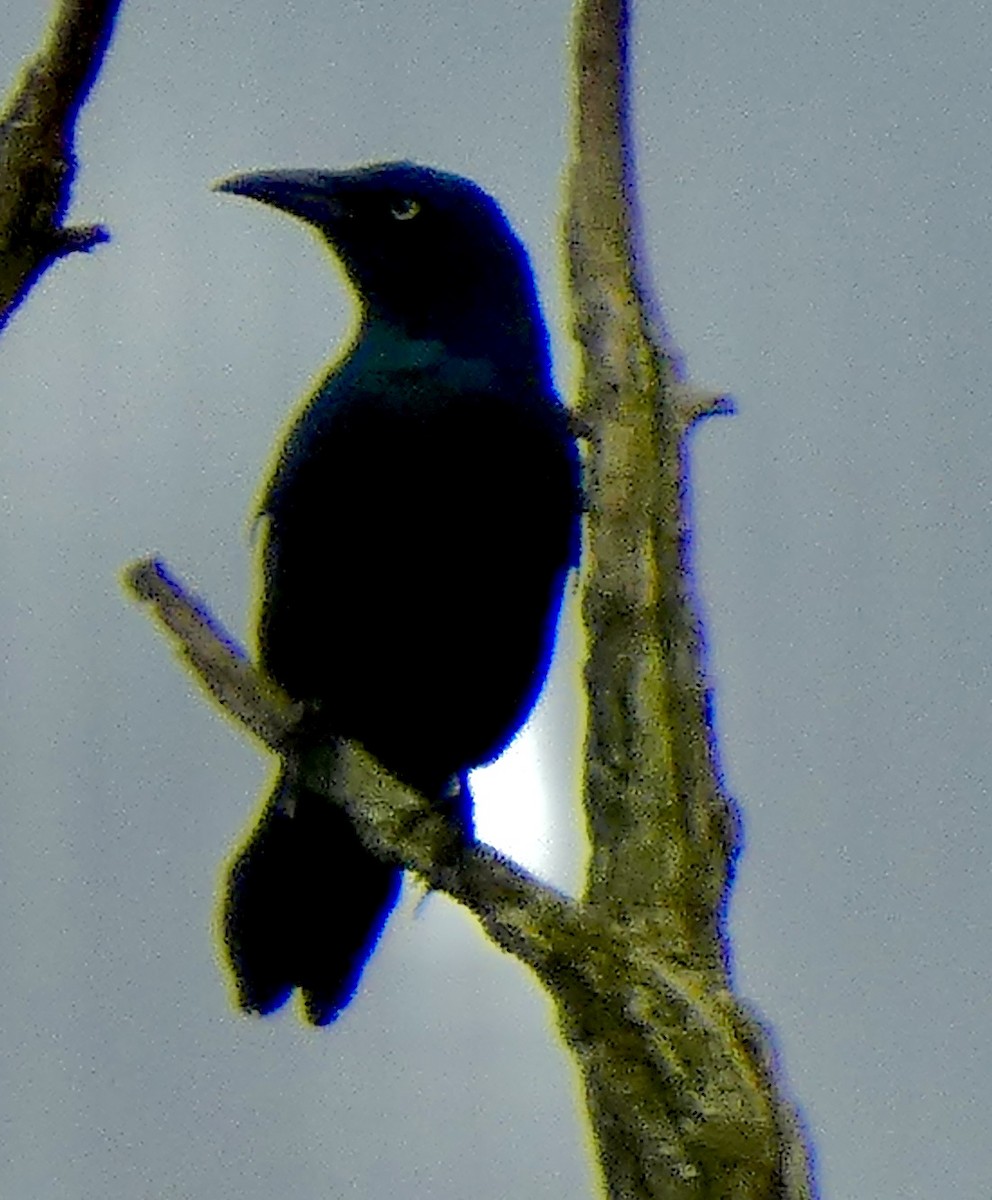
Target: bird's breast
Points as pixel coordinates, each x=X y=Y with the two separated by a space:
x=416 y=550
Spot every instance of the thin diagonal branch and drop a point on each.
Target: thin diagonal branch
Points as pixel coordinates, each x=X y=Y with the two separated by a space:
x=37 y=163
x=521 y=914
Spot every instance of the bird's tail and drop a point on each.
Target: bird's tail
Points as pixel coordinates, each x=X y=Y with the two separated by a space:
x=305 y=905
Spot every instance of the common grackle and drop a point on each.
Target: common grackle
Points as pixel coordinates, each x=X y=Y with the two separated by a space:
x=419 y=524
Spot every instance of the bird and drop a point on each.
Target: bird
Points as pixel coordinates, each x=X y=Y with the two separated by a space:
x=418 y=528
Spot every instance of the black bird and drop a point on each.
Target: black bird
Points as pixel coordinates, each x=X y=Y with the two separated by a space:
x=420 y=522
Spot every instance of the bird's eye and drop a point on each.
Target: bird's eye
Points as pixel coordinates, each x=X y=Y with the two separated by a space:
x=405 y=209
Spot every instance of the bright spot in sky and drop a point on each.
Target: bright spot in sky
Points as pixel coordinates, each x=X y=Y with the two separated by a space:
x=512 y=811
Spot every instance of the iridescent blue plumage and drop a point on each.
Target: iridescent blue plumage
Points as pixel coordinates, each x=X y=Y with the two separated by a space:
x=421 y=519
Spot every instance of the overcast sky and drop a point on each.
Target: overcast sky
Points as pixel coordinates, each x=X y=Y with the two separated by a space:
x=816 y=187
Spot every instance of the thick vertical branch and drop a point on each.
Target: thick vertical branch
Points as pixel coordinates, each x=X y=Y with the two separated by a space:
x=687 y=1107
x=37 y=165
x=658 y=818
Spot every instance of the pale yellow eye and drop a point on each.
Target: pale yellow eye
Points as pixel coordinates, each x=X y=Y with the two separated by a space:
x=406 y=209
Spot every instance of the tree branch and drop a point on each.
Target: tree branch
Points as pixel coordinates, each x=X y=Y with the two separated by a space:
x=520 y=913
x=666 y=1057
x=689 y=1106
x=37 y=165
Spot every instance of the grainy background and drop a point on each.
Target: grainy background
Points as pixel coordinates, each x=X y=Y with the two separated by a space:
x=816 y=189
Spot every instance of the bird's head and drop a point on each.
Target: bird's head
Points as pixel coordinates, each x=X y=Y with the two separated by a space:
x=428 y=251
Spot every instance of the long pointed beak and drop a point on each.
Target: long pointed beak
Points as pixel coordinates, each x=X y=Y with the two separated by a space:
x=309 y=195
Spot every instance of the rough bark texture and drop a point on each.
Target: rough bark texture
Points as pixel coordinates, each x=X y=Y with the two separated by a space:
x=679 y=1082
x=37 y=165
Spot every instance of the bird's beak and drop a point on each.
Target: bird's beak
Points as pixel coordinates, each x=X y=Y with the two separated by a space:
x=309 y=195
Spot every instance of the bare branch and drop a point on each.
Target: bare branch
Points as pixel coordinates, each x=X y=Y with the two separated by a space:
x=215 y=658
x=520 y=913
x=37 y=165
x=673 y=1075
x=692 y=1109
x=650 y=749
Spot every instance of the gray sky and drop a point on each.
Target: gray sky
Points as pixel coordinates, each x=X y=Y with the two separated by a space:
x=816 y=189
